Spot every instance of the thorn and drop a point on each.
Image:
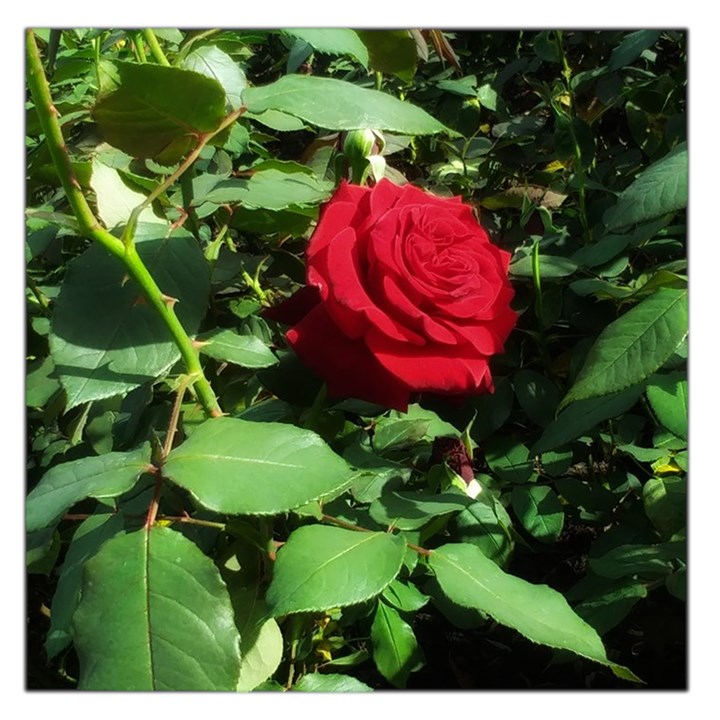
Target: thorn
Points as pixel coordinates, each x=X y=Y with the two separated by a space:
x=124 y=280
x=74 y=182
x=169 y=301
x=197 y=344
x=54 y=110
x=140 y=300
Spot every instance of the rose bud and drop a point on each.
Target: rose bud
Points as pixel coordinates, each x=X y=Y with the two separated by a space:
x=363 y=149
x=409 y=296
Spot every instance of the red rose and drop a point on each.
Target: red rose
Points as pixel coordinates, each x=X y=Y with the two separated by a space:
x=405 y=293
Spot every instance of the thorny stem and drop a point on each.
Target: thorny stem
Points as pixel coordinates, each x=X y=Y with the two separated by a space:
x=203 y=140
x=194 y=521
x=154 y=503
x=174 y=417
x=90 y=227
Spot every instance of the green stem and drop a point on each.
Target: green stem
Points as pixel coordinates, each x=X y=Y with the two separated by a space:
x=90 y=227
x=203 y=140
x=47 y=114
x=579 y=168
x=42 y=300
x=155 y=48
x=139 y=45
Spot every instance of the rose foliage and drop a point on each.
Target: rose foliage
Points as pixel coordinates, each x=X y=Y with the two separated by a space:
x=406 y=294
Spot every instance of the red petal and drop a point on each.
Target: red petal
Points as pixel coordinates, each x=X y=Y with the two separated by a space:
x=346 y=365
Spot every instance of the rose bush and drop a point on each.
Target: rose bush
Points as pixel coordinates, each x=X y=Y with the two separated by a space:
x=405 y=294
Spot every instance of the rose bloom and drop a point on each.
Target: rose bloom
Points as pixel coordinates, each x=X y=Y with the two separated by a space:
x=405 y=294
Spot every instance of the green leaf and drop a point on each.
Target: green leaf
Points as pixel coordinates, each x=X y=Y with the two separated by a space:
x=404 y=597
x=243 y=350
x=276 y=120
x=155 y=615
x=271 y=189
x=631 y=47
x=157 y=112
x=339 y=105
x=330 y=682
x=106 y=476
x=212 y=62
x=100 y=320
x=115 y=200
x=40 y=383
x=509 y=460
x=633 y=347
x=668 y=397
x=538 y=396
x=409 y=510
x=482 y=525
x=660 y=189
x=261 y=645
x=322 y=567
x=395 y=649
x=609 y=607
x=537 y=612
x=394 y=433
x=539 y=511
x=582 y=416
x=238 y=467
x=647 y=560
x=391 y=51
x=89 y=537
x=665 y=501
x=551 y=266
x=333 y=41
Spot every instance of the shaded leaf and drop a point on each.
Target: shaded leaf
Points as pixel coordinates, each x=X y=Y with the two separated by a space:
x=537 y=612
x=154 y=111
x=409 y=510
x=539 y=510
x=648 y=560
x=633 y=347
x=391 y=51
x=668 y=397
x=582 y=416
x=100 y=318
x=660 y=189
x=395 y=648
x=261 y=642
x=105 y=476
x=665 y=501
x=631 y=47
x=89 y=537
x=538 y=396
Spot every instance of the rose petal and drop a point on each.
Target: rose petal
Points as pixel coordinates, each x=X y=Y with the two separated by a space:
x=429 y=368
x=346 y=365
x=347 y=301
